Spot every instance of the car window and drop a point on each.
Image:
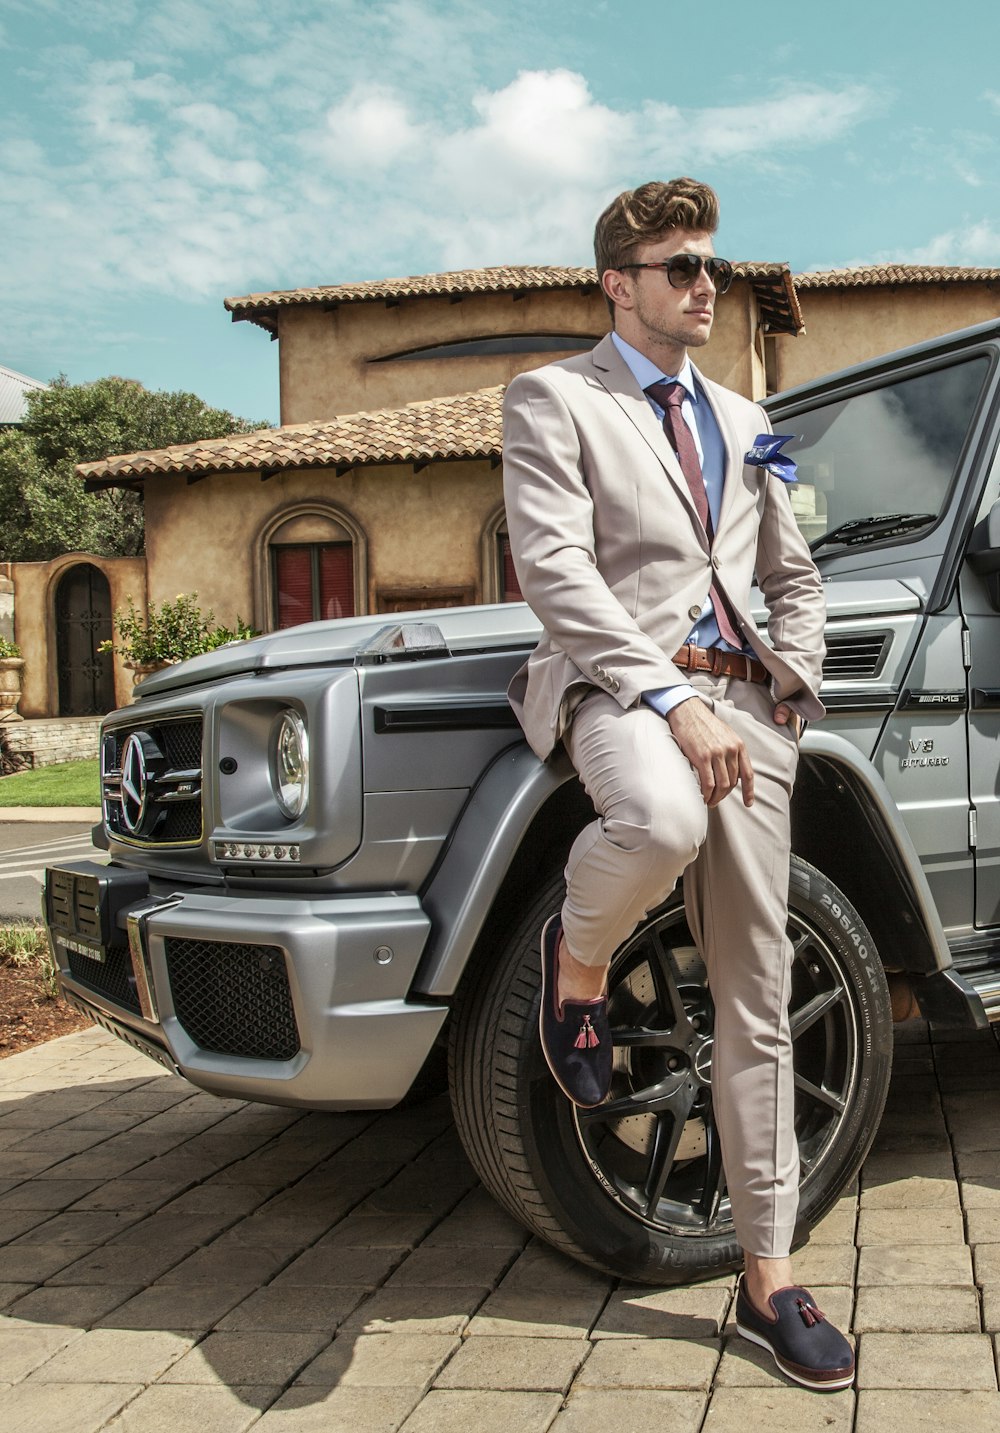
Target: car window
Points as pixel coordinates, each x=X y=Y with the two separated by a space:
x=893 y=449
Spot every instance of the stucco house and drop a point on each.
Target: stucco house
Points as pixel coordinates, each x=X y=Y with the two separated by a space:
x=382 y=488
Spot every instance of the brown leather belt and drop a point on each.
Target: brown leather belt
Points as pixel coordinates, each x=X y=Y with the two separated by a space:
x=720 y=663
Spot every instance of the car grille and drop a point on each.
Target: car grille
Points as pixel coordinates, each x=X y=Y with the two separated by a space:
x=233 y=999
x=855 y=655
x=112 y=977
x=173 y=816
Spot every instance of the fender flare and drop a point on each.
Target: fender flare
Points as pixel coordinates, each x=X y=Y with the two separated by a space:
x=500 y=812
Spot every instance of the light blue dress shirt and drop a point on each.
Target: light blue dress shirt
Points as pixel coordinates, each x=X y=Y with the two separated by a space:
x=711 y=448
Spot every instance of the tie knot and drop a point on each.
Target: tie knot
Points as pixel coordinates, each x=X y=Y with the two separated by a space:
x=668 y=395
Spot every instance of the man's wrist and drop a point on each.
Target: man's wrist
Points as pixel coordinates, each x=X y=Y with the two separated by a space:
x=664 y=699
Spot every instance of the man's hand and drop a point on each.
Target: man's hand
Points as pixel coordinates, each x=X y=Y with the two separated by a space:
x=784 y=716
x=714 y=750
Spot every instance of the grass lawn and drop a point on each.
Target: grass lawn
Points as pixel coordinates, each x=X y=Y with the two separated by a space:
x=68 y=783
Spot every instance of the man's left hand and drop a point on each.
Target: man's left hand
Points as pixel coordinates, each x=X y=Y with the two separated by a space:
x=785 y=716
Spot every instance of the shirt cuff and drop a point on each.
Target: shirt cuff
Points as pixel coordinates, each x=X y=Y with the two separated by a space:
x=664 y=699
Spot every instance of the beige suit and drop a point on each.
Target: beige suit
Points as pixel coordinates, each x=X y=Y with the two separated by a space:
x=612 y=558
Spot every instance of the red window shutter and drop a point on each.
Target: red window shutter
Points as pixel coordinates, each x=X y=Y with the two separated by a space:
x=293 y=574
x=511 y=586
x=336 y=581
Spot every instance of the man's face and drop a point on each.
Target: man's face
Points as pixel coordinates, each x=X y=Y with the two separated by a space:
x=659 y=314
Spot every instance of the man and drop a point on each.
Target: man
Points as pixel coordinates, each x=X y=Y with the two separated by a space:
x=637 y=528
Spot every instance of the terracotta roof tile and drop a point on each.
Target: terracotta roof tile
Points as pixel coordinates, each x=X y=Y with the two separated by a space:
x=872 y=275
x=772 y=282
x=465 y=425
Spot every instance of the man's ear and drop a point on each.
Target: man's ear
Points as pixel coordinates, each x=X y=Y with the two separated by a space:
x=617 y=288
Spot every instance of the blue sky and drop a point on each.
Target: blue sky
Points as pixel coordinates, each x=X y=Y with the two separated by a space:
x=159 y=155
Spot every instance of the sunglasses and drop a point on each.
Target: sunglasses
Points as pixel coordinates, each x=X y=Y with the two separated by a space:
x=683 y=269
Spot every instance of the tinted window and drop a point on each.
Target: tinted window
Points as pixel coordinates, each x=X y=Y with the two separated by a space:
x=891 y=450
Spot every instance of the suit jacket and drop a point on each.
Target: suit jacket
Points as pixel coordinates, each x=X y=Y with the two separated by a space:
x=613 y=559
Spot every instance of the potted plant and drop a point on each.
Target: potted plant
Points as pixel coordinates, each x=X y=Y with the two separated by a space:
x=168 y=633
x=11 y=663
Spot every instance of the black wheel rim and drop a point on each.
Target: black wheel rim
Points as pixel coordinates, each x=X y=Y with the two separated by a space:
x=653 y=1145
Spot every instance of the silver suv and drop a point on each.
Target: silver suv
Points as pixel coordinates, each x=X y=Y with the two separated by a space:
x=331 y=852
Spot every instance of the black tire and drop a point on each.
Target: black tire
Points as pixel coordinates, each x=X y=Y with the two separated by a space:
x=579 y=1179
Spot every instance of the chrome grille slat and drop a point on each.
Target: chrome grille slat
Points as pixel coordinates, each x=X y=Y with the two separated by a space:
x=177 y=812
x=854 y=656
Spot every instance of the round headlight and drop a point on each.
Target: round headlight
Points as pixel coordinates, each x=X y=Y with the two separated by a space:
x=291 y=765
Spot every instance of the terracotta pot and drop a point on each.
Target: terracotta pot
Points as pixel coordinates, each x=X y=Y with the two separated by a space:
x=10 y=687
x=140 y=670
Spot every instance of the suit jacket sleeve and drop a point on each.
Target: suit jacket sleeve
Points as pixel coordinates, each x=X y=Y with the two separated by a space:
x=550 y=521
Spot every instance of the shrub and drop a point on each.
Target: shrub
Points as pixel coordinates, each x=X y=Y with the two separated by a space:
x=8 y=649
x=171 y=632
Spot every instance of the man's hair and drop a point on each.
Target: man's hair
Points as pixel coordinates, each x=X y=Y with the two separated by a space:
x=644 y=215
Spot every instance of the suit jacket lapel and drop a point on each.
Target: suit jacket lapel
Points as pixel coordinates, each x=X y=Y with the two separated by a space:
x=734 y=458
x=614 y=373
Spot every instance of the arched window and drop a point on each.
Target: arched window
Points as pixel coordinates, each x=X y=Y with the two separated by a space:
x=500 y=582
x=313 y=567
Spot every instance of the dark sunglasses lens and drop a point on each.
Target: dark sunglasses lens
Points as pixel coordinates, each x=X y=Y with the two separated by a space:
x=683 y=269
x=720 y=271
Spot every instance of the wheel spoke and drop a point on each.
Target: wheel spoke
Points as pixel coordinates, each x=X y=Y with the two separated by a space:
x=638 y=1102
x=821 y=1096
x=661 y=969
x=665 y=1144
x=715 y=1174
x=807 y=1015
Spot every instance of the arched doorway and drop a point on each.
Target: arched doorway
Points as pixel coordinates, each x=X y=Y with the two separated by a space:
x=83 y=622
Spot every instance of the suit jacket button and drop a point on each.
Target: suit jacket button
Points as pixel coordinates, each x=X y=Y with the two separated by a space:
x=694 y=613
x=716 y=562
x=615 y=684
x=596 y=671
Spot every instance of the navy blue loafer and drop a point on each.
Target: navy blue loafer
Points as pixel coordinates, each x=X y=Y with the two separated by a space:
x=799 y=1337
x=576 y=1035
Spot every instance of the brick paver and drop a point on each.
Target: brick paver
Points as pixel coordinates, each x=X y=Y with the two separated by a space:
x=169 y=1261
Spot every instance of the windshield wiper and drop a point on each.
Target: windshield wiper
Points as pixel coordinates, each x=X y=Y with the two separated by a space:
x=865 y=529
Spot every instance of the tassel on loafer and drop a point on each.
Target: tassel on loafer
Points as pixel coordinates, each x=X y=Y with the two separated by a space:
x=575 y=1035
x=803 y=1343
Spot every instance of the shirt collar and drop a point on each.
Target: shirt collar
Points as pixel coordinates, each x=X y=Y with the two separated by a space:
x=645 y=371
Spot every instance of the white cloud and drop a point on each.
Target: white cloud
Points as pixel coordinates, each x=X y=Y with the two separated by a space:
x=808 y=116
x=287 y=155
x=367 y=129
x=976 y=245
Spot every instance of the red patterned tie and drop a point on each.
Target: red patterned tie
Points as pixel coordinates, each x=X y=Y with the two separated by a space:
x=670 y=396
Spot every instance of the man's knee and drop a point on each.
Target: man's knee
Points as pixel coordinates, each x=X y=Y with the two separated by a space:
x=669 y=832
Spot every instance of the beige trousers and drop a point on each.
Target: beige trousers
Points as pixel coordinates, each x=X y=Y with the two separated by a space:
x=653 y=827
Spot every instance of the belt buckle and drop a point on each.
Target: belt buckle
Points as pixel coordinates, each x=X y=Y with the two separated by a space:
x=749 y=675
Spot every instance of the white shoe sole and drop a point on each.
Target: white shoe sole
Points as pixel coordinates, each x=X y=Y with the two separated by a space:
x=826 y=1385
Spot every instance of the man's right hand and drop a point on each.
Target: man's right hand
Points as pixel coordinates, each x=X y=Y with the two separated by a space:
x=718 y=756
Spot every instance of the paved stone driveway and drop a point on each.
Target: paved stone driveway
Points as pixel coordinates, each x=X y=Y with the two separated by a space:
x=174 y=1262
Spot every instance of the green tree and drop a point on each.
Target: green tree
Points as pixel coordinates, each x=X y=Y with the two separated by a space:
x=44 y=509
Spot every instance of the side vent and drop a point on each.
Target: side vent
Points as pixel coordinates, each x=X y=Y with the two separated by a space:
x=855 y=656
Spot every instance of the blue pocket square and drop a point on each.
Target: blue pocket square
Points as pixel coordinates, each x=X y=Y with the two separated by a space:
x=765 y=454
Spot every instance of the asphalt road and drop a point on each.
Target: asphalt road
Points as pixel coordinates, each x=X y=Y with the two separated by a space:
x=26 y=848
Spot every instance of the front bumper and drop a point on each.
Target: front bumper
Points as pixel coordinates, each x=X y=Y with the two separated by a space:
x=271 y=998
